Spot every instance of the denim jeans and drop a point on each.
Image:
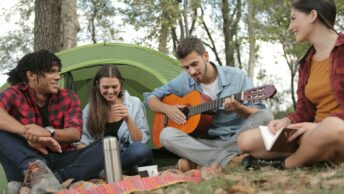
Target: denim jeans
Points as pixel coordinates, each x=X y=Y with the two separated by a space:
x=138 y=154
x=83 y=164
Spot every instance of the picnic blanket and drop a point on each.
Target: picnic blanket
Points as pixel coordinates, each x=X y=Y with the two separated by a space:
x=134 y=183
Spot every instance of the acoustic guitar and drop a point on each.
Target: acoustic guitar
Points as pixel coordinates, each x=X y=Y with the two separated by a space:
x=198 y=109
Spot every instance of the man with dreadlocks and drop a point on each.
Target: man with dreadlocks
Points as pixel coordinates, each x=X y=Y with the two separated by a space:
x=39 y=122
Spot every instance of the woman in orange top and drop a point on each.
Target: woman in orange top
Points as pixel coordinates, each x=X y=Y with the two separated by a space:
x=320 y=107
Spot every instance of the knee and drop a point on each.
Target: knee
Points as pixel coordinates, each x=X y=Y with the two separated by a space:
x=244 y=142
x=330 y=130
x=332 y=123
x=167 y=135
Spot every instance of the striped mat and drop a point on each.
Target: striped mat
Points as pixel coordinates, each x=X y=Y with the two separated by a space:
x=135 y=183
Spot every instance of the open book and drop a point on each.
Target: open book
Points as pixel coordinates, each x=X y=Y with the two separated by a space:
x=278 y=142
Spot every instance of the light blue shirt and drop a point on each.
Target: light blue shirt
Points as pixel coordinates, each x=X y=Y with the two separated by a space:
x=231 y=80
x=136 y=111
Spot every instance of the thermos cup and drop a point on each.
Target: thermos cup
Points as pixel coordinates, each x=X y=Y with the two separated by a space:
x=113 y=169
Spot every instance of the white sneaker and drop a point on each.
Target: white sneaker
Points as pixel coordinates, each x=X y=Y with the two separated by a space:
x=13 y=187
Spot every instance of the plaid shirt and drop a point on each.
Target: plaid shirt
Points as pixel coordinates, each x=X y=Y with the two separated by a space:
x=64 y=108
x=305 y=110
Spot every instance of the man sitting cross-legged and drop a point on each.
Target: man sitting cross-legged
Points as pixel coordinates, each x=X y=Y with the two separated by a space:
x=219 y=145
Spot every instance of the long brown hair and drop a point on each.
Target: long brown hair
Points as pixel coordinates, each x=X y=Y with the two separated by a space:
x=98 y=106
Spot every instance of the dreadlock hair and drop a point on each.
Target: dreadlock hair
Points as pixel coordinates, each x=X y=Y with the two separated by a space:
x=38 y=63
x=188 y=45
x=98 y=106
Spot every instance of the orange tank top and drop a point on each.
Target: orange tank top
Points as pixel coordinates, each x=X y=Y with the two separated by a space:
x=318 y=89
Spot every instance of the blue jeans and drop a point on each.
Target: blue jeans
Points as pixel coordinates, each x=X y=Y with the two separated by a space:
x=138 y=154
x=83 y=164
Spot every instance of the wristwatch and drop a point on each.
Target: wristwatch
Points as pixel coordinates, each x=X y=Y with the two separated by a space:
x=51 y=130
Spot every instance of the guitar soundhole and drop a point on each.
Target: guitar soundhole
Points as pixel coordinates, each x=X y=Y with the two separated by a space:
x=185 y=111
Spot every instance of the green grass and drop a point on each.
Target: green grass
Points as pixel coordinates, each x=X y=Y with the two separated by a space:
x=3 y=181
x=235 y=179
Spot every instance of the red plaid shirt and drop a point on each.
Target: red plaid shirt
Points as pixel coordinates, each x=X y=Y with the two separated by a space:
x=64 y=108
x=305 y=110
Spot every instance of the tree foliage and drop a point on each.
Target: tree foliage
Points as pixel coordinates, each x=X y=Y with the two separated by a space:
x=19 y=40
x=232 y=29
x=98 y=21
x=157 y=18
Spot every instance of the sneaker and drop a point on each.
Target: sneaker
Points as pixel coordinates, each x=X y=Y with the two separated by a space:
x=185 y=165
x=252 y=163
x=13 y=187
x=40 y=178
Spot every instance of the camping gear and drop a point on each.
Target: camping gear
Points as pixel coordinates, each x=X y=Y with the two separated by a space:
x=113 y=169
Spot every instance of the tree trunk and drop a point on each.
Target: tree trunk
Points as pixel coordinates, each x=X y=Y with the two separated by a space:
x=69 y=24
x=164 y=32
x=227 y=33
x=164 y=27
x=251 y=39
x=185 y=14
x=230 y=26
x=47 y=29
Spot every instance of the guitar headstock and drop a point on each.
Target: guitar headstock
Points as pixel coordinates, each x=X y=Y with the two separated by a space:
x=259 y=93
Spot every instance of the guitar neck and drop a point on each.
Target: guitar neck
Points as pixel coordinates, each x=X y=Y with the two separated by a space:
x=213 y=104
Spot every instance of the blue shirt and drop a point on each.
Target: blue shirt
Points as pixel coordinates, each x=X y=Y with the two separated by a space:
x=232 y=80
x=136 y=111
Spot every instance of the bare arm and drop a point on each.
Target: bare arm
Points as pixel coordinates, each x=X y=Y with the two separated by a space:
x=10 y=124
x=230 y=104
x=246 y=111
x=172 y=111
x=67 y=135
x=156 y=105
x=135 y=133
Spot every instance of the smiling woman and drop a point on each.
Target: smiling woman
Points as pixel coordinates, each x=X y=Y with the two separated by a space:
x=112 y=111
x=319 y=112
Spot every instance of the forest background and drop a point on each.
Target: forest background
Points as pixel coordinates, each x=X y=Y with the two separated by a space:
x=249 y=34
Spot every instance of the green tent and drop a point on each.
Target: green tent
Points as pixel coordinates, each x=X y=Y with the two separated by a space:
x=142 y=68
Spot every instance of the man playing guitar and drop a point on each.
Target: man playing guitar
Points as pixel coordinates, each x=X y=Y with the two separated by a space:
x=219 y=144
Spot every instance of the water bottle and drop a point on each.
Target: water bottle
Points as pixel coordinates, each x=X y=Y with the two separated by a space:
x=113 y=169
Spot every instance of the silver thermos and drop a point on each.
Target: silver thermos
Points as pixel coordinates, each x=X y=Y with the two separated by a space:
x=113 y=169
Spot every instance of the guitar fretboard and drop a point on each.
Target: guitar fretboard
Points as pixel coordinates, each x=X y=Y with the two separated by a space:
x=211 y=105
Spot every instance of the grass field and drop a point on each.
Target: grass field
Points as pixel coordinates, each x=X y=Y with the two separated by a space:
x=323 y=179
x=3 y=181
